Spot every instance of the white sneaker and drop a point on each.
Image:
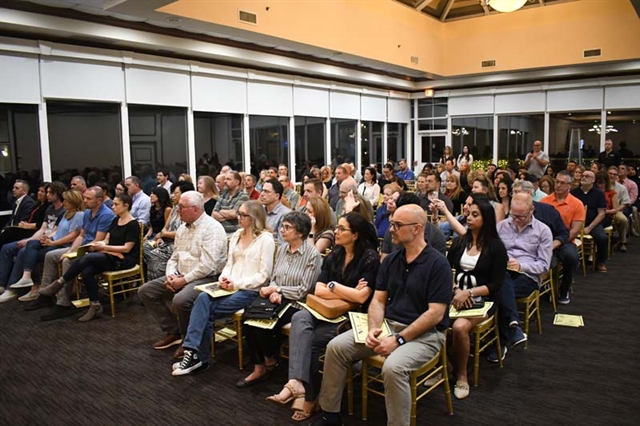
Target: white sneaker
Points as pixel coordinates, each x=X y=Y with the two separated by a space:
x=8 y=295
x=22 y=283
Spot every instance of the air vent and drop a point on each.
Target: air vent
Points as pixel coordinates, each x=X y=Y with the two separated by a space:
x=414 y=60
x=247 y=17
x=591 y=53
x=487 y=64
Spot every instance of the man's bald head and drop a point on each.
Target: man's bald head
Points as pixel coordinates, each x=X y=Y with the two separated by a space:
x=523 y=199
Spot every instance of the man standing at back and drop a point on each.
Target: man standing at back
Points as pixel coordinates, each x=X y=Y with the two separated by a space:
x=609 y=157
x=141 y=207
x=537 y=160
x=226 y=209
x=199 y=254
x=413 y=291
x=572 y=212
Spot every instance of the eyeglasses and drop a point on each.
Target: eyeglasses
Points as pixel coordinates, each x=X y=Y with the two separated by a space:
x=561 y=182
x=287 y=227
x=342 y=229
x=394 y=226
x=519 y=217
x=182 y=207
x=241 y=215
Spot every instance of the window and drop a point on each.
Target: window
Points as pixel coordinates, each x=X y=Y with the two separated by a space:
x=372 y=139
x=571 y=135
x=85 y=139
x=343 y=141
x=477 y=134
x=269 y=142
x=218 y=140
x=310 y=142
x=517 y=134
x=432 y=114
x=158 y=138
x=396 y=142
x=624 y=130
x=19 y=149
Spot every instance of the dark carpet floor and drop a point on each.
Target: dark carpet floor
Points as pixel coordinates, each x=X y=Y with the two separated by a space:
x=105 y=372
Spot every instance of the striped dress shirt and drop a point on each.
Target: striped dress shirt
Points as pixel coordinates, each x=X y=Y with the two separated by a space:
x=296 y=273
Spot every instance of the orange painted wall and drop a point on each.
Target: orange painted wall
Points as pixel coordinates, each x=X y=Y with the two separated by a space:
x=367 y=28
x=543 y=37
x=549 y=36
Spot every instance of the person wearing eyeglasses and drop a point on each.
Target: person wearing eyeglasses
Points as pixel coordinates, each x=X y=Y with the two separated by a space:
x=199 y=254
x=348 y=273
x=596 y=204
x=226 y=209
x=529 y=248
x=412 y=293
x=623 y=210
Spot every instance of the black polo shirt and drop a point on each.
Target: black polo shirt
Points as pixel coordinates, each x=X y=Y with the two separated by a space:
x=411 y=287
x=594 y=200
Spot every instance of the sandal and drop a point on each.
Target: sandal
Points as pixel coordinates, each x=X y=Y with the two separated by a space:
x=302 y=415
x=294 y=395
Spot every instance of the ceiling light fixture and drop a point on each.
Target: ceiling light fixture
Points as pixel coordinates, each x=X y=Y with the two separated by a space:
x=598 y=129
x=506 y=6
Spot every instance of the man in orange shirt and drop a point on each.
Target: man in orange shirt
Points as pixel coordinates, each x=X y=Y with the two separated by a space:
x=572 y=212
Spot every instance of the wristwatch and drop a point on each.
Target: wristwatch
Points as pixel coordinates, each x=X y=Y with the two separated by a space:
x=400 y=339
x=331 y=285
x=278 y=290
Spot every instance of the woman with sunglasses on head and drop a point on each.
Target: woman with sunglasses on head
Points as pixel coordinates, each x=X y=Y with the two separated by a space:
x=249 y=266
x=480 y=260
x=348 y=273
x=295 y=271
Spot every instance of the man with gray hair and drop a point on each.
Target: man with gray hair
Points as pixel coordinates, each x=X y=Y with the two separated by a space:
x=199 y=254
x=141 y=205
x=346 y=186
x=78 y=183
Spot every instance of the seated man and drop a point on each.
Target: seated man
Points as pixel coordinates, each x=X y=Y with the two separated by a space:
x=199 y=254
x=270 y=197
x=596 y=204
x=528 y=242
x=572 y=212
x=290 y=194
x=413 y=291
x=226 y=209
x=21 y=208
x=97 y=220
x=433 y=187
x=141 y=208
x=620 y=222
x=348 y=185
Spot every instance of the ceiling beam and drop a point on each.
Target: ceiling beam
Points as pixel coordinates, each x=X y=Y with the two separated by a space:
x=422 y=4
x=446 y=10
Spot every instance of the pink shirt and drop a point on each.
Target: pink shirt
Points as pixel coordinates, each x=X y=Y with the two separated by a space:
x=632 y=189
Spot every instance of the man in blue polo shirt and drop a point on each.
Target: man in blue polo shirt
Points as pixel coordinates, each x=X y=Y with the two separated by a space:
x=97 y=221
x=413 y=291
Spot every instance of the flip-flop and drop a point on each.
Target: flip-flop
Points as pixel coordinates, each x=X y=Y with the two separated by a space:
x=294 y=395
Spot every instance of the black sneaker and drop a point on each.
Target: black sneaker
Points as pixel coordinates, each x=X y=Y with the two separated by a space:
x=191 y=363
x=59 y=312
x=517 y=335
x=40 y=302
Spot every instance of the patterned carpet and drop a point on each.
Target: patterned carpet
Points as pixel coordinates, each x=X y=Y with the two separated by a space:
x=105 y=372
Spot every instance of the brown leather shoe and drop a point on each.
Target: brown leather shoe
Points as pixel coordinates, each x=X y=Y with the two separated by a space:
x=179 y=353
x=601 y=267
x=168 y=341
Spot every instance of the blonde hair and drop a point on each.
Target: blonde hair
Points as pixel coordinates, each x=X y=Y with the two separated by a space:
x=258 y=216
x=73 y=197
x=185 y=177
x=456 y=192
x=210 y=186
x=329 y=171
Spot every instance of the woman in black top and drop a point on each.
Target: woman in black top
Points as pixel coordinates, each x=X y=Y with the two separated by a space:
x=36 y=217
x=119 y=250
x=160 y=211
x=480 y=261
x=348 y=273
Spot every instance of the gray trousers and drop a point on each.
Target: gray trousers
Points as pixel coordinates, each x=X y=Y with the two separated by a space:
x=343 y=351
x=50 y=274
x=171 y=310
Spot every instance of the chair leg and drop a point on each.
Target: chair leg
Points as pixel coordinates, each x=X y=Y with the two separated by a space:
x=111 y=299
x=445 y=375
x=538 y=313
x=240 y=348
x=476 y=358
x=414 y=402
x=365 y=384
x=527 y=313
x=498 y=345
x=350 y=390
x=553 y=291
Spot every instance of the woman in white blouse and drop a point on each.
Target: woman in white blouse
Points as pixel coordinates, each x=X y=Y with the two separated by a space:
x=370 y=189
x=248 y=269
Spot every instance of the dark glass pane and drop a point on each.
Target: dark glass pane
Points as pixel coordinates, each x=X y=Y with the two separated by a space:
x=268 y=142
x=218 y=140
x=372 y=139
x=396 y=142
x=310 y=142
x=343 y=141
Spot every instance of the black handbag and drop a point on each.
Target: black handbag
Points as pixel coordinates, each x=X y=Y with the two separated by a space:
x=262 y=308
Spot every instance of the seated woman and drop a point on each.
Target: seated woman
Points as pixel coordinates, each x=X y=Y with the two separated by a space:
x=63 y=235
x=382 y=214
x=207 y=187
x=547 y=184
x=370 y=188
x=348 y=273
x=295 y=272
x=158 y=251
x=480 y=261
x=321 y=235
x=504 y=194
x=160 y=211
x=453 y=190
x=249 y=266
x=483 y=186
x=119 y=250
x=603 y=183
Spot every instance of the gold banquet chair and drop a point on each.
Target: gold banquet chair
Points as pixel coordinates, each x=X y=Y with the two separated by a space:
x=548 y=286
x=483 y=336
x=531 y=308
x=126 y=280
x=372 y=381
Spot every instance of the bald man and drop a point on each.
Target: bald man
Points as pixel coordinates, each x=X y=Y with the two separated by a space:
x=413 y=291
x=529 y=247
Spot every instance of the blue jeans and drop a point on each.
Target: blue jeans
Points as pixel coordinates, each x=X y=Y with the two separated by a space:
x=205 y=311
x=515 y=285
x=568 y=255
x=29 y=257
x=7 y=253
x=602 y=243
x=92 y=264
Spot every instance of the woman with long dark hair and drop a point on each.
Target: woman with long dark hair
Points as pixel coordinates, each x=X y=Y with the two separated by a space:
x=480 y=260
x=348 y=273
x=160 y=211
x=504 y=193
x=370 y=189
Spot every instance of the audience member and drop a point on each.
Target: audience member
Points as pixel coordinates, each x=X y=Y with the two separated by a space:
x=412 y=293
x=454 y=192
x=483 y=186
x=370 y=189
x=295 y=272
x=78 y=183
x=250 y=183
x=537 y=160
x=270 y=197
x=465 y=158
x=321 y=235
x=199 y=253
x=447 y=155
x=390 y=194
x=449 y=170
x=621 y=223
x=159 y=213
x=207 y=187
x=141 y=207
x=404 y=172
x=290 y=194
x=596 y=204
x=162 y=177
x=21 y=208
x=226 y=209
x=249 y=266
x=334 y=191
x=609 y=157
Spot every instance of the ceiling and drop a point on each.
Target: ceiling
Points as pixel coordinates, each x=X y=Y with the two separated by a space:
x=452 y=10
